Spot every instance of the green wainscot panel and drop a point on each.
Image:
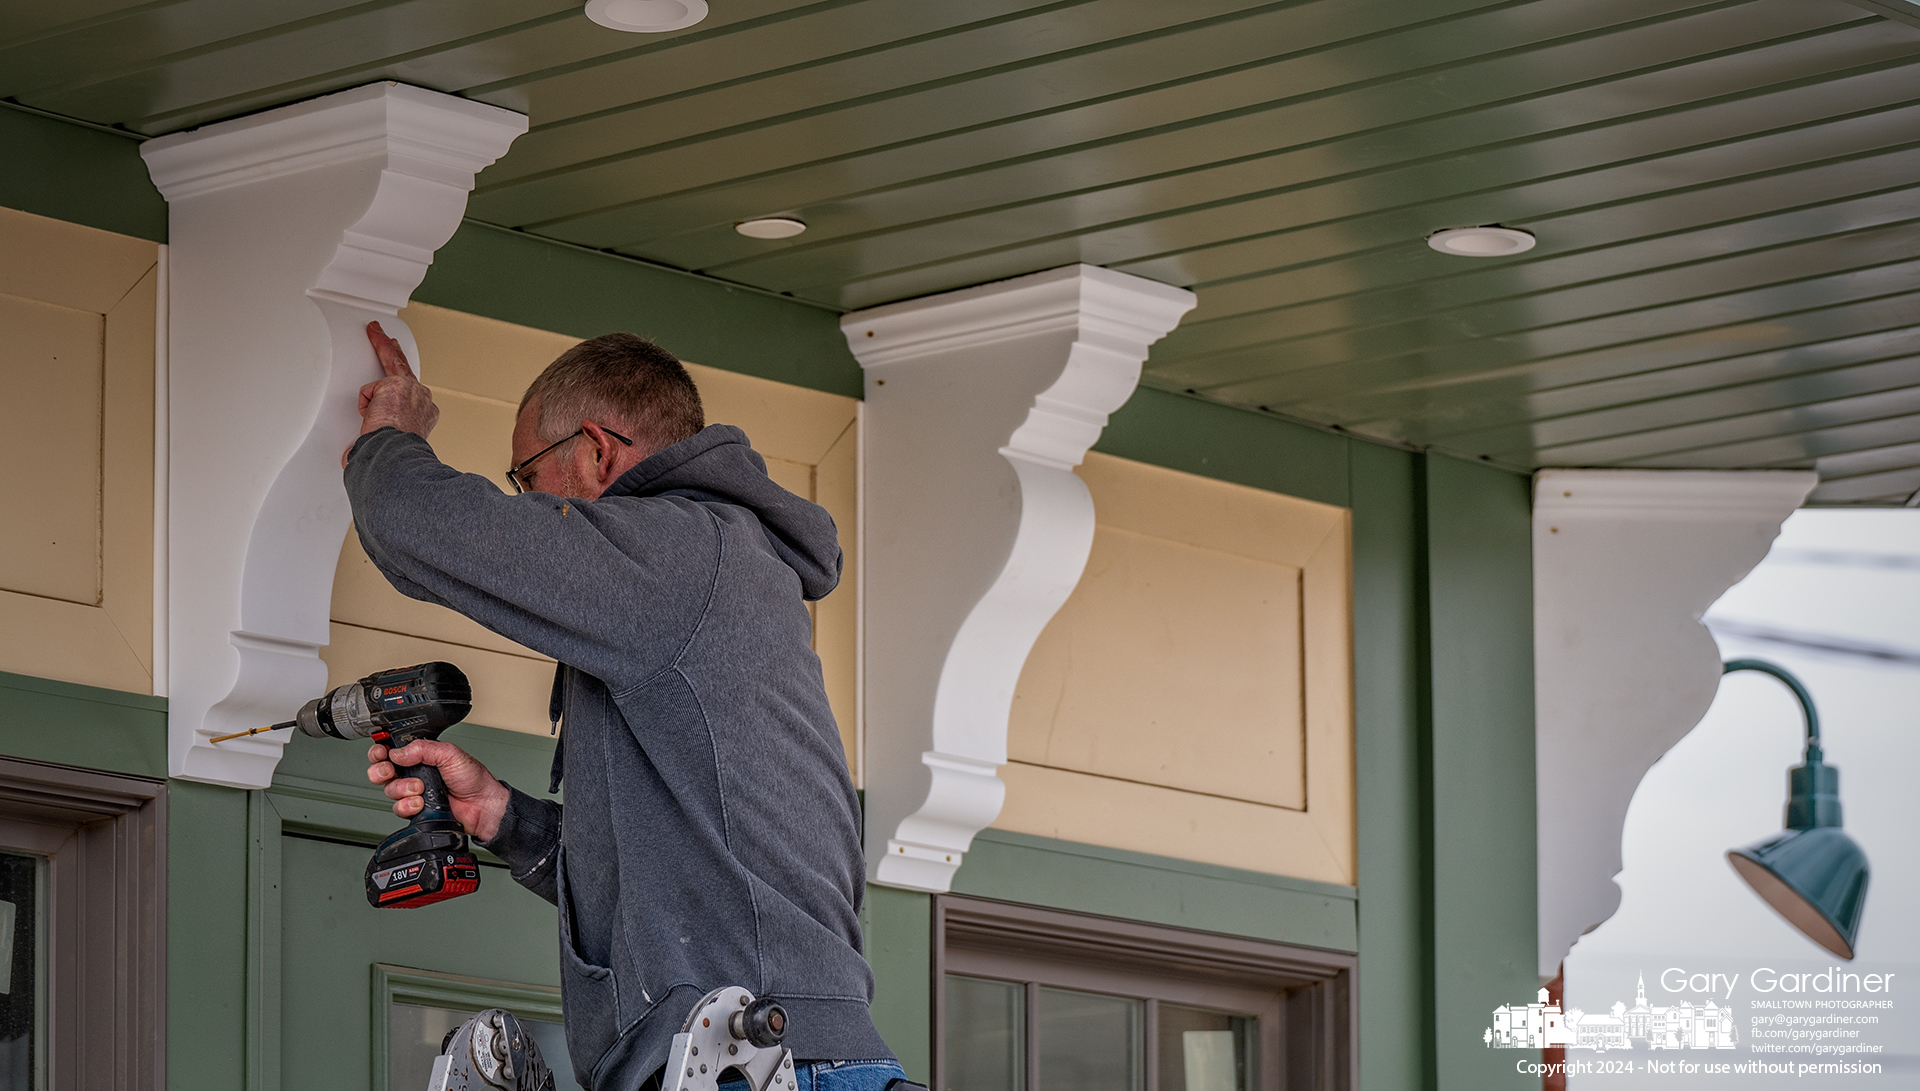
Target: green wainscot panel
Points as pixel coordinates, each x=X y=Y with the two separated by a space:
x=501 y=933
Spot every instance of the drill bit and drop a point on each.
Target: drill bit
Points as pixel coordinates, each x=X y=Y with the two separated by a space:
x=255 y=731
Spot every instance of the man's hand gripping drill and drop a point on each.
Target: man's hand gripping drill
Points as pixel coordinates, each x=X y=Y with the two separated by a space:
x=430 y=860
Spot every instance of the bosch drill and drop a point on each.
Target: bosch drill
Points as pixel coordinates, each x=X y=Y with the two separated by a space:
x=430 y=860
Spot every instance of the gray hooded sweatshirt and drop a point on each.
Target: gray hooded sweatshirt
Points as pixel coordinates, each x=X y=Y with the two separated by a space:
x=710 y=834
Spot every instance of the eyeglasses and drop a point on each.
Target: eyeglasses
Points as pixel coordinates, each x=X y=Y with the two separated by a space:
x=521 y=480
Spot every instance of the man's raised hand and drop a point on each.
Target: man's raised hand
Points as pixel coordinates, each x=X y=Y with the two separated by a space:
x=396 y=399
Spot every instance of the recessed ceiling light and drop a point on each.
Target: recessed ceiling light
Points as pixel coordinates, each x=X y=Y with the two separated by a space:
x=646 y=16
x=1481 y=242
x=772 y=227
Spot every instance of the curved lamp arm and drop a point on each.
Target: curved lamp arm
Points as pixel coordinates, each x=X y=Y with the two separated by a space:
x=1811 y=873
x=1794 y=684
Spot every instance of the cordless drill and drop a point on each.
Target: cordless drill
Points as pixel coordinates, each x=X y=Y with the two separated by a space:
x=429 y=860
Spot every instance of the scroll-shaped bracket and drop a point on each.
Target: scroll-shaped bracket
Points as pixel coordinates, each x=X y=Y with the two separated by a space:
x=1625 y=563
x=979 y=403
x=289 y=230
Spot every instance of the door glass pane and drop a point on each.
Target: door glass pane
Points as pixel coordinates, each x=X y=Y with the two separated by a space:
x=22 y=980
x=985 y=1034
x=1089 y=1042
x=1203 y=1050
x=415 y=1031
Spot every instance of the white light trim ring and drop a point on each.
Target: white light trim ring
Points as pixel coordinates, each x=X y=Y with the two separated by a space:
x=771 y=227
x=646 y=16
x=1481 y=242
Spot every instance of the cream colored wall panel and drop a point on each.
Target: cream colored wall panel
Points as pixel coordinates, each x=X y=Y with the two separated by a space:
x=471 y=437
x=76 y=556
x=363 y=597
x=1327 y=616
x=53 y=362
x=783 y=421
x=510 y=691
x=478 y=368
x=1224 y=516
x=1165 y=822
x=480 y=356
x=126 y=475
x=493 y=359
x=1198 y=683
x=47 y=638
x=475 y=434
x=62 y=263
x=795 y=477
x=836 y=620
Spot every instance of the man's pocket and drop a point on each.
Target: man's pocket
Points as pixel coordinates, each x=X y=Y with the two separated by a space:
x=588 y=995
x=853 y=1075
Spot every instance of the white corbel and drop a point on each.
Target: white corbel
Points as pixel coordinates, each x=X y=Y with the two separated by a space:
x=1625 y=562
x=979 y=404
x=288 y=231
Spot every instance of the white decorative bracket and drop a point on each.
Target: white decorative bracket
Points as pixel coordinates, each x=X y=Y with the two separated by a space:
x=288 y=231
x=1625 y=562
x=979 y=404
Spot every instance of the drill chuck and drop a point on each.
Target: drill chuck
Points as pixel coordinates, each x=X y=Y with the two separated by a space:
x=404 y=705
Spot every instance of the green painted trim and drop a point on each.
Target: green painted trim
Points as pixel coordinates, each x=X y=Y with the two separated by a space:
x=1239 y=445
x=703 y=278
x=335 y=812
x=898 y=928
x=208 y=975
x=1390 y=773
x=62 y=723
x=1016 y=867
x=518 y=278
x=404 y=985
x=1480 y=634
x=80 y=174
x=263 y=943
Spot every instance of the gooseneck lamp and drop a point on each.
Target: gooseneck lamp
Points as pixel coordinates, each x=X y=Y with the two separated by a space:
x=1811 y=873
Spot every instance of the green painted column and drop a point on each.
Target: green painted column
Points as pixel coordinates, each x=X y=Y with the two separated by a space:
x=207 y=937
x=1390 y=771
x=899 y=937
x=1480 y=640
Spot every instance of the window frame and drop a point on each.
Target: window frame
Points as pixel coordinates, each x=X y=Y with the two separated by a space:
x=104 y=837
x=1303 y=996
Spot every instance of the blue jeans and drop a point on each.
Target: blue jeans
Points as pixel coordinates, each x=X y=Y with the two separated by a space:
x=836 y=1076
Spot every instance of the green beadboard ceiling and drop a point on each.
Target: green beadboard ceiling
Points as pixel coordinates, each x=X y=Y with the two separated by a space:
x=1728 y=268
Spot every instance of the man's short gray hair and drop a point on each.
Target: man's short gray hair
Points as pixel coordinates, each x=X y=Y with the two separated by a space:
x=619 y=381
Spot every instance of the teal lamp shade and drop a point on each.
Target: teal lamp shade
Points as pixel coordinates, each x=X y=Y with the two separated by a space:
x=1811 y=873
x=1816 y=879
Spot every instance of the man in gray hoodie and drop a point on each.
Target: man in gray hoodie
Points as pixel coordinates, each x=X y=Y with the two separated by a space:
x=710 y=835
